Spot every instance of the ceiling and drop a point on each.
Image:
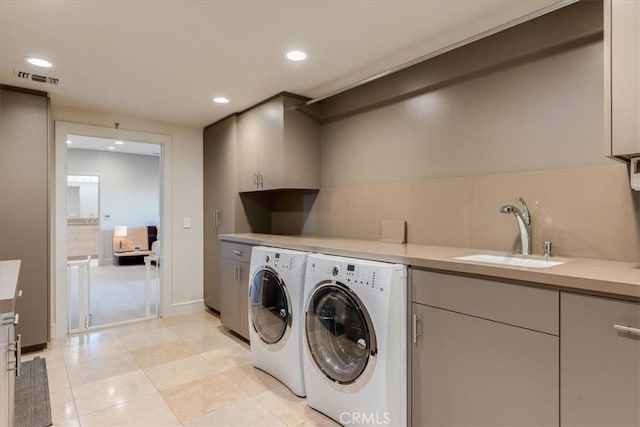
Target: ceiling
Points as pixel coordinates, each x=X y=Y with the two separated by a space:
x=166 y=60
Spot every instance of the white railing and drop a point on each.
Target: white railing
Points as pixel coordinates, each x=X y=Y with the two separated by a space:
x=151 y=278
x=83 y=269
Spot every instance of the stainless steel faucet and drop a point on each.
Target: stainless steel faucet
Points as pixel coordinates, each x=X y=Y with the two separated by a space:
x=524 y=224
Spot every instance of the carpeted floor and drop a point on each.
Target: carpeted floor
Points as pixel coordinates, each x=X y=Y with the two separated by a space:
x=33 y=408
x=117 y=294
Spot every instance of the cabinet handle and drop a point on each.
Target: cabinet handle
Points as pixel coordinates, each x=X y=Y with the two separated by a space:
x=239 y=253
x=261 y=181
x=216 y=218
x=629 y=329
x=19 y=293
x=18 y=354
x=239 y=275
x=256 y=180
x=416 y=334
x=12 y=320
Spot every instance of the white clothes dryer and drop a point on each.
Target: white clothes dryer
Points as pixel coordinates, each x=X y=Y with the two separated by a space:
x=355 y=357
x=276 y=315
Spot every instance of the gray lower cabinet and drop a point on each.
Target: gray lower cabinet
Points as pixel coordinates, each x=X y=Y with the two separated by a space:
x=600 y=362
x=8 y=360
x=483 y=353
x=234 y=287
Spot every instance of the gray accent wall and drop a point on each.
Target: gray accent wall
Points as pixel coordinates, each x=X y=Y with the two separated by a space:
x=445 y=153
x=544 y=114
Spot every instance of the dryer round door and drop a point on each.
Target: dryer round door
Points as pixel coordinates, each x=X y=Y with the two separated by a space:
x=340 y=336
x=270 y=307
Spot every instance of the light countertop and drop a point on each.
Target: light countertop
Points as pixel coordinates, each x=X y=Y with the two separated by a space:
x=8 y=280
x=613 y=278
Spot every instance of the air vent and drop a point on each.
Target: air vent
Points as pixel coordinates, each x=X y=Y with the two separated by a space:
x=36 y=77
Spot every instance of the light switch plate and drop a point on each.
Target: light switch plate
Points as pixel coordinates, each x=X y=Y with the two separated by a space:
x=393 y=231
x=186 y=222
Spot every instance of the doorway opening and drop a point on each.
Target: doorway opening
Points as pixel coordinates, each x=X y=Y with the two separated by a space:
x=112 y=231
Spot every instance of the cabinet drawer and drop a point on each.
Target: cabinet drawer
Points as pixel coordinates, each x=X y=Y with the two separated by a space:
x=519 y=305
x=236 y=251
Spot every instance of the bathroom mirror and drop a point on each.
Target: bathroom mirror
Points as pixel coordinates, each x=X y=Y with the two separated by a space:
x=83 y=198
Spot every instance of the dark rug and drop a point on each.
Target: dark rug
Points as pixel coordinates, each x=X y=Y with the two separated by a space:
x=33 y=408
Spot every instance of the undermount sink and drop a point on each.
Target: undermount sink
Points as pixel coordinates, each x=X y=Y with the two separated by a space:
x=511 y=260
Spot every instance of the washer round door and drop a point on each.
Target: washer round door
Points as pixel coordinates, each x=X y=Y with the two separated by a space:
x=340 y=335
x=270 y=307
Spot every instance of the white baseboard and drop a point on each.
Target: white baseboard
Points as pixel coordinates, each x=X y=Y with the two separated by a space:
x=187 y=307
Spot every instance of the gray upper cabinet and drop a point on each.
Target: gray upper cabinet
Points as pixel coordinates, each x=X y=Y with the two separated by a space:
x=483 y=353
x=278 y=146
x=600 y=362
x=25 y=157
x=622 y=77
x=220 y=193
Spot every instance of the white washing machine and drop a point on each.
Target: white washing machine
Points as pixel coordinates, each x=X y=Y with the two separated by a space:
x=276 y=315
x=355 y=356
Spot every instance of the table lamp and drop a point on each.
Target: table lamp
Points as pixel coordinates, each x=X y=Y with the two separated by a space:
x=121 y=232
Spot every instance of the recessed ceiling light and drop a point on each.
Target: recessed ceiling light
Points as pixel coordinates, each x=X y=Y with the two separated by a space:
x=39 y=62
x=111 y=148
x=220 y=100
x=119 y=142
x=68 y=142
x=296 y=55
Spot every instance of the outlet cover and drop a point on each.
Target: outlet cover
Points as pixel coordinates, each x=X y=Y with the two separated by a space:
x=393 y=231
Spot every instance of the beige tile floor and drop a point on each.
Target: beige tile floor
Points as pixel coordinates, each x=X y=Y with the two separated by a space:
x=178 y=371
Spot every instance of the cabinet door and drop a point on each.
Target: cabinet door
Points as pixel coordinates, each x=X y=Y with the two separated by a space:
x=301 y=166
x=219 y=153
x=468 y=371
x=229 y=294
x=625 y=76
x=260 y=145
x=94 y=240
x=600 y=365
x=24 y=205
x=5 y=374
x=72 y=241
x=243 y=300
x=271 y=163
x=86 y=241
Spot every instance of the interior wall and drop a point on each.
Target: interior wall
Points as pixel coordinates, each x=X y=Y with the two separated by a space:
x=544 y=114
x=129 y=189
x=445 y=160
x=184 y=249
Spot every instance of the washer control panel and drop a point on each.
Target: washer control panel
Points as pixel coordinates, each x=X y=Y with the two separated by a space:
x=356 y=276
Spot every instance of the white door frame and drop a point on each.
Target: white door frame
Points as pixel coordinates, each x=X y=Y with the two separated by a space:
x=59 y=286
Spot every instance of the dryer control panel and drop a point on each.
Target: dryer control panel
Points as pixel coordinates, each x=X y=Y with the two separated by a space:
x=279 y=261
